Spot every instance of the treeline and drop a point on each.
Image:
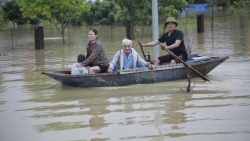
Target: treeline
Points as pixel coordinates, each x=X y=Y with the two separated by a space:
x=106 y=12
x=62 y=13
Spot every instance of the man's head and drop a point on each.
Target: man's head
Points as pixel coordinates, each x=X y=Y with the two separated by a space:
x=80 y=58
x=126 y=45
x=171 y=23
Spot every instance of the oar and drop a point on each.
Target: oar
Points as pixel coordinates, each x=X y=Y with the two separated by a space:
x=185 y=64
x=142 y=50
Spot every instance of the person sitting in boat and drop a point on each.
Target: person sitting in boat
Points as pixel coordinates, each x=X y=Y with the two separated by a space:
x=77 y=70
x=127 y=58
x=96 y=58
x=174 y=42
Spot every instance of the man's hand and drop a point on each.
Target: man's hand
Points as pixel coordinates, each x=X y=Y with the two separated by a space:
x=110 y=70
x=140 y=44
x=162 y=46
x=151 y=66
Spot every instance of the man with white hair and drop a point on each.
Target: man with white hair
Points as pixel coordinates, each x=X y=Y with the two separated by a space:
x=127 y=58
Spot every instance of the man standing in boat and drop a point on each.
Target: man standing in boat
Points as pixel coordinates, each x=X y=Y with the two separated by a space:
x=174 y=40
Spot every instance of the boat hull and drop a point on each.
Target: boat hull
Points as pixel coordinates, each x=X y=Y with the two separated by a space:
x=136 y=76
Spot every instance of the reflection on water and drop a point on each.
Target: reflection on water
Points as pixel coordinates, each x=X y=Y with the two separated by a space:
x=35 y=107
x=173 y=115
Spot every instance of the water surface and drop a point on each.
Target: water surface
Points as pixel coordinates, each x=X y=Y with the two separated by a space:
x=35 y=107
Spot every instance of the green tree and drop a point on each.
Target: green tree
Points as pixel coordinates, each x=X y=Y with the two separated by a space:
x=136 y=10
x=129 y=6
x=140 y=5
x=170 y=11
x=178 y=4
x=1 y=16
x=238 y=6
x=101 y=13
x=223 y=3
x=132 y=9
x=241 y=3
x=169 y=8
x=58 y=12
x=12 y=13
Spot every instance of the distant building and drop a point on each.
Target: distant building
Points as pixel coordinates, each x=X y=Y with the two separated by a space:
x=199 y=6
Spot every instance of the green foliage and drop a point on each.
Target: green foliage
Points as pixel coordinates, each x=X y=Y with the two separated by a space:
x=140 y=11
x=184 y=22
x=192 y=14
x=241 y=3
x=231 y=3
x=11 y=12
x=47 y=8
x=119 y=16
x=137 y=10
x=178 y=4
x=224 y=3
x=58 y=12
x=3 y=54
x=170 y=11
x=89 y=18
x=129 y=7
x=1 y=16
x=238 y=6
x=169 y=8
x=101 y=13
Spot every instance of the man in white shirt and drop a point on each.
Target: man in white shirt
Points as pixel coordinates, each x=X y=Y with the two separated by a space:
x=127 y=58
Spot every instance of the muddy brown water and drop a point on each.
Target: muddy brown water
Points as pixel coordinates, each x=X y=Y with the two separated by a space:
x=35 y=107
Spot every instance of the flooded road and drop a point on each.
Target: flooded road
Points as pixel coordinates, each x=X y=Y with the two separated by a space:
x=35 y=107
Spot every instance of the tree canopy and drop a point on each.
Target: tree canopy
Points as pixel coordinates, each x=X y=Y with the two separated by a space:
x=1 y=16
x=58 y=12
x=61 y=13
x=101 y=13
x=12 y=13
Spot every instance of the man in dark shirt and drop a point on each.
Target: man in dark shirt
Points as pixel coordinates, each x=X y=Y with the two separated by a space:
x=174 y=42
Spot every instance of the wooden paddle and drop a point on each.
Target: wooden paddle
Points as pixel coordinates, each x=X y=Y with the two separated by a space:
x=185 y=64
x=142 y=50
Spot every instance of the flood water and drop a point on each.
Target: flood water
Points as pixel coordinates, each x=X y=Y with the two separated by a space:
x=36 y=107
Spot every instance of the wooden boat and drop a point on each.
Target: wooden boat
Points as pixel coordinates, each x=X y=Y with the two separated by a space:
x=169 y=72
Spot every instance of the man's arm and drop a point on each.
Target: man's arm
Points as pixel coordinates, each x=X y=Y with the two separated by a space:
x=175 y=45
x=150 y=44
x=179 y=39
x=143 y=63
x=115 y=60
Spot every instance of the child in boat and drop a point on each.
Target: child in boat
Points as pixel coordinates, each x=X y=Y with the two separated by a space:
x=76 y=70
